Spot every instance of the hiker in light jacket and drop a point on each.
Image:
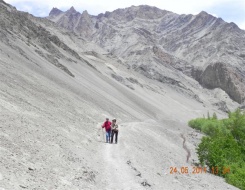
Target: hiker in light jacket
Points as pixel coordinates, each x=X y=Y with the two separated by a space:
x=114 y=127
x=107 y=126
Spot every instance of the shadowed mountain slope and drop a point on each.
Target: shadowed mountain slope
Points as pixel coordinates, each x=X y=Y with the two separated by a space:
x=198 y=43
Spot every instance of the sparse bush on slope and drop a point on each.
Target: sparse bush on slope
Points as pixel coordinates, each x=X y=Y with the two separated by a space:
x=224 y=146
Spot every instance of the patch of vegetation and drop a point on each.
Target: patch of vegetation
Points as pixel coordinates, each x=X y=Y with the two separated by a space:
x=224 y=146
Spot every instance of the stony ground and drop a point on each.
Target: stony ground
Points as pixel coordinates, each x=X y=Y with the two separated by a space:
x=51 y=136
x=52 y=104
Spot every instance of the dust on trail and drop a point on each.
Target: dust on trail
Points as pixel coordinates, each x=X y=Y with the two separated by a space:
x=117 y=174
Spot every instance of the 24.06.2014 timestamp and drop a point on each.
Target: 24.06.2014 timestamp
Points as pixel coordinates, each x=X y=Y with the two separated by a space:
x=186 y=170
x=197 y=170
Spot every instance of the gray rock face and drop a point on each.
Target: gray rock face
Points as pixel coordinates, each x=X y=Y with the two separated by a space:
x=219 y=75
x=72 y=20
x=34 y=35
x=133 y=12
x=55 y=12
x=185 y=42
x=242 y=106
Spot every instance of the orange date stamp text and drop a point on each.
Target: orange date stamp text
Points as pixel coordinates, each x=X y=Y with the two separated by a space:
x=198 y=170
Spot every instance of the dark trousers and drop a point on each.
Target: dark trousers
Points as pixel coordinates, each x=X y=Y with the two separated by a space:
x=112 y=135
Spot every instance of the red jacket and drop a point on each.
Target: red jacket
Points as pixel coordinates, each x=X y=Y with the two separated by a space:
x=107 y=125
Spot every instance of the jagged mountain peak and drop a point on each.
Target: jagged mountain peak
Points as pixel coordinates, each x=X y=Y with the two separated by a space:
x=141 y=11
x=71 y=10
x=85 y=13
x=206 y=15
x=55 y=11
x=133 y=12
x=203 y=13
x=147 y=8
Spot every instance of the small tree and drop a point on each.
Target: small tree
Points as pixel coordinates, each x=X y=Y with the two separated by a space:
x=215 y=116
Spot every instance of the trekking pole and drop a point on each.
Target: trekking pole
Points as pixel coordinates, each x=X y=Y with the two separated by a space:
x=103 y=135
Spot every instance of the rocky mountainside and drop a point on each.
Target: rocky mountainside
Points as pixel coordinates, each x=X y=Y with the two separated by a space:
x=57 y=86
x=148 y=40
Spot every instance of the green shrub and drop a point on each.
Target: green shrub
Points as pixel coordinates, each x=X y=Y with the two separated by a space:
x=207 y=126
x=224 y=145
x=236 y=176
x=219 y=151
x=197 y=123
x=211 y=127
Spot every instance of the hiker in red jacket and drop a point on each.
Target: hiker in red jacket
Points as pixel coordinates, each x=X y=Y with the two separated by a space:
x=107 y=126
